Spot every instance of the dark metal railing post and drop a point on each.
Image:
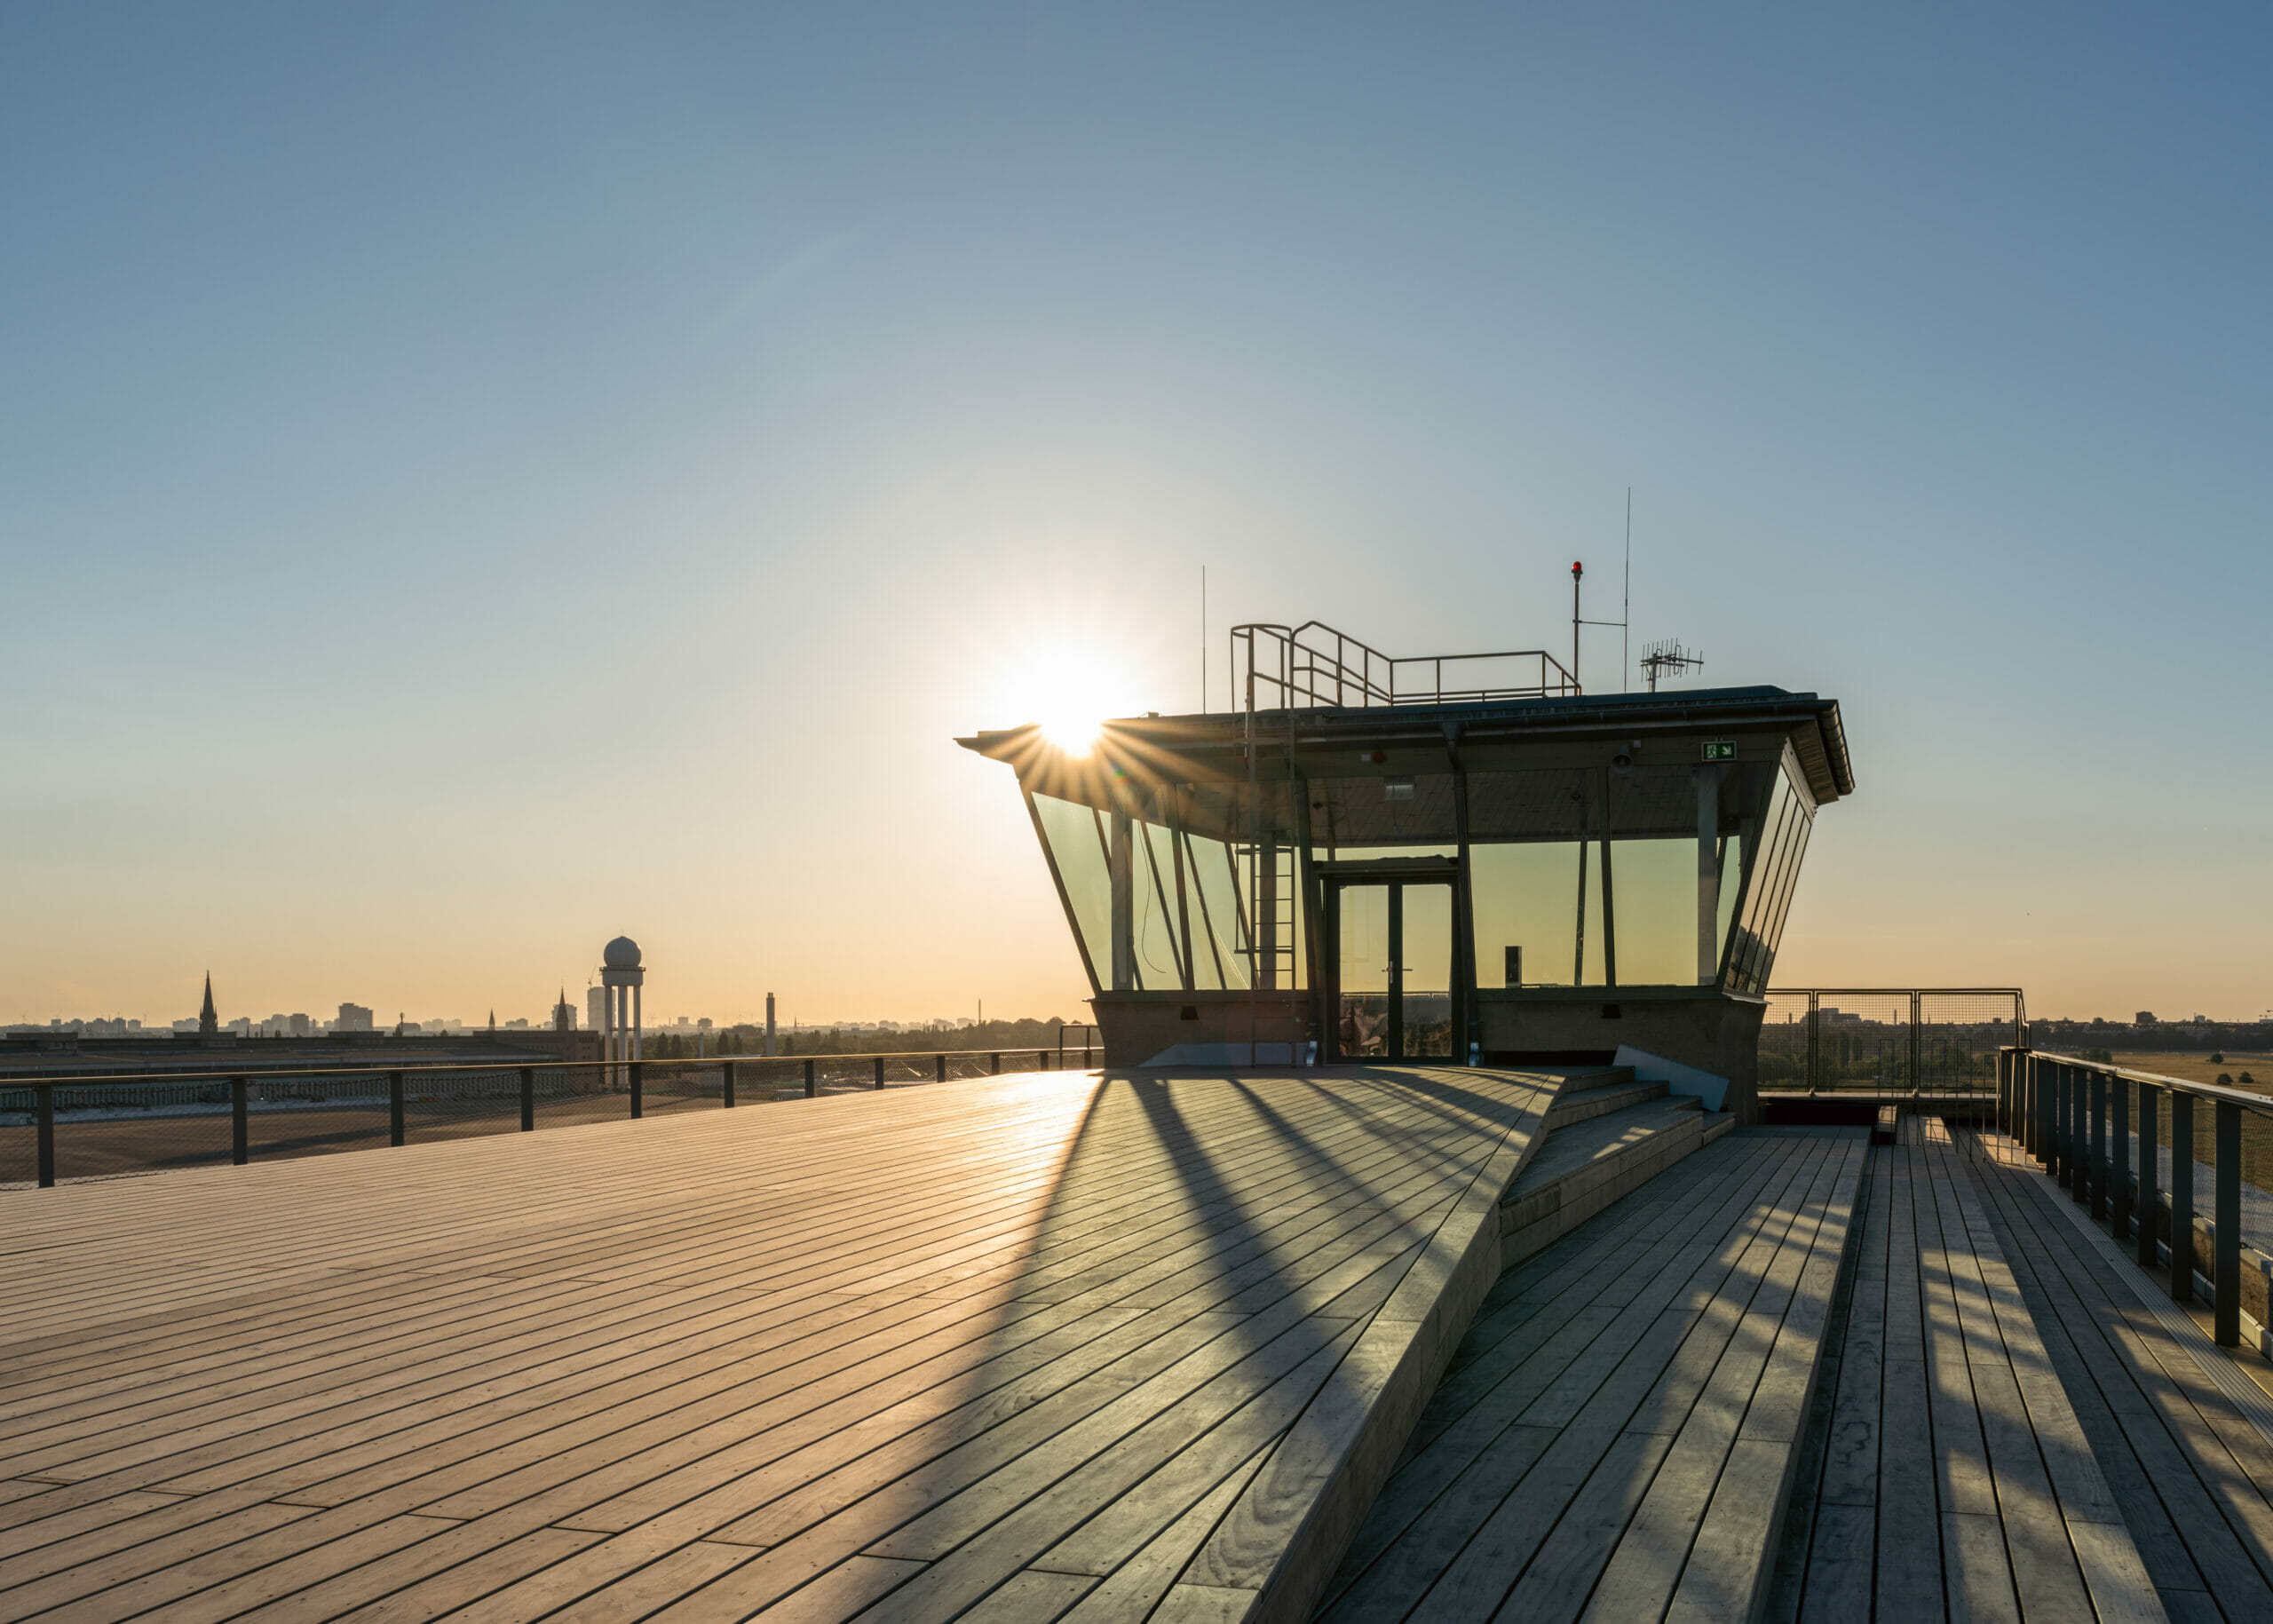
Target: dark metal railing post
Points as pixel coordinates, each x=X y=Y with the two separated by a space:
x=997 y=1063
x=2225 y=1240
x=880 y=1071
x=637 y=1070
x=528 y=1099
x=2119 y=1173
x=43 y=1095
x=810 y=1087
x=2041 y=1091
x=726 y=1086
x=2095 y=1153
x=240 y=1122
x=2063 y=1142
x=2151 y=1177
x=394 y=1108
x=2182 y=1196
x=940 y=1067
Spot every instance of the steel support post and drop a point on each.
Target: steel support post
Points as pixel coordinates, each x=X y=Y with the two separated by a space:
x=2096 y=1154
x=394 y=1108
x=880 y=1071
x=44 y=1099
x=994 y=1063
x=2151 y=1175
x=638 y=1070
x=2119 y=1173
x=2182 y=1196
x=812 y=1087
x=2225 y=1243
x=726 y=1082
x=528 y=1099
x=941 y=1067
x=240 y=1122
x=2063 y=1126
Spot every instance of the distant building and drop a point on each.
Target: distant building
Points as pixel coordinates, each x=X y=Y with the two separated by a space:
x=2144 y=1017
x=596 y=1006
x=299 y=1026
x=564 y=1014
x=352 y=1018
x=209 y=1024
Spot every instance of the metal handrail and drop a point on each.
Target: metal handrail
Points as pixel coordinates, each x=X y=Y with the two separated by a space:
x=2262 y=1104
x=1353 y=673
x=628 y=1074
x=2061 y=1110
x=515 y=1063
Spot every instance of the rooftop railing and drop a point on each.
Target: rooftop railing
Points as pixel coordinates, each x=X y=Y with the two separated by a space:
x=1887 y=1042
x=2092 y=1125
x=98 y=1125
x=1312 y=666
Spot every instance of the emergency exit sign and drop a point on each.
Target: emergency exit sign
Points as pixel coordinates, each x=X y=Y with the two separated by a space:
x=1720 y=750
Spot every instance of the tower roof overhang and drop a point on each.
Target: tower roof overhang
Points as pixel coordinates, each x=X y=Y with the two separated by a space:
x=1216 y=746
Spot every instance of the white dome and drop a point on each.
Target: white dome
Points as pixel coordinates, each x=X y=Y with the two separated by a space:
x=622 y=954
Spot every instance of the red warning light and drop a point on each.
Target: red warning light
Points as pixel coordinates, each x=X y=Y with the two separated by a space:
x=1578 y=569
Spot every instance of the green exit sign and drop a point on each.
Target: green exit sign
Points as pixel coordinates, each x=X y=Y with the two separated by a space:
x=1720 y=750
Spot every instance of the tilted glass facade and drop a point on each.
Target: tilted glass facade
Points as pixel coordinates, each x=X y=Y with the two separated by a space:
x=1629 y=869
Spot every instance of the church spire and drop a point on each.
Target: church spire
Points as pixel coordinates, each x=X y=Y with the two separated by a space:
x=208 y=1023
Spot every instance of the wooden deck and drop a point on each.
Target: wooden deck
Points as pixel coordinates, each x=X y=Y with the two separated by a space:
x=1029 y=1347
x=1948 y=1477
x=1617 y=1432
x=2191 y=1473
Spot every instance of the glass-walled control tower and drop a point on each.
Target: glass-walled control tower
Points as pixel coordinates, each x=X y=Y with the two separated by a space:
x=1448 y=859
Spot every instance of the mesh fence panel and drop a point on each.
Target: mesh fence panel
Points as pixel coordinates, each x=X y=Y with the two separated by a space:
x=1958 y=1035
x=1863 y=1043
x=456 y=1105
x=1784 y=1041
x=314 y=1116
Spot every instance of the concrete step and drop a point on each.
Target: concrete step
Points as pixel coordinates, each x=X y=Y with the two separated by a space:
x=1586 y=1165
x=1597 y=1094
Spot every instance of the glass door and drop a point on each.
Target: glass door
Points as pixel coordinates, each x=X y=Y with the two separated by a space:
x=1424 y=979
x=1393 y=964
x=1363 y=984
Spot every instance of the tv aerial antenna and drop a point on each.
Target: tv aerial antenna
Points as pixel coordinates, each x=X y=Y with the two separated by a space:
x=1670 y=659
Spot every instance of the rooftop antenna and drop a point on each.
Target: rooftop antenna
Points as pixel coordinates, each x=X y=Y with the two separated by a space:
x=1203 y=639
x=1670 y=659
x=1578 y=573
x=1626 y=608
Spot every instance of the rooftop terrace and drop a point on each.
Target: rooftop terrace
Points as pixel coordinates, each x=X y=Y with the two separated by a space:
x=1357 y=1342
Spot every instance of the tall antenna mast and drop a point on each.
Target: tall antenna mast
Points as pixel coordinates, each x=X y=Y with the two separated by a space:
x=1626 y=609
x=1203 y=639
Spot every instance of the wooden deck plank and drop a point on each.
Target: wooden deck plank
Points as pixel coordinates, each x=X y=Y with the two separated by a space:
x=1519 y=1507
x=706 y=1363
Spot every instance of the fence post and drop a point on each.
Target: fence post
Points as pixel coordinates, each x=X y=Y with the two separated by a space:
x=2120 y=1220
x=809 y=1080
x=394 y=1108
x=1815 y=1010
x=2095 y=1153
x=2182 y=1196
x=997 y=1062
x=940 y=1067
x=528 y=1099
x=727 y=1089
x=44 y=1094
x=2151 y=1177
x=880 y=1071
x=239 y=1125
x=638 y=1071
x=1917 y=1049
x=2225 y=1242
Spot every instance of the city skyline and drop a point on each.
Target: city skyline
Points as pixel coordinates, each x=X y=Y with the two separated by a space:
x=477 y=486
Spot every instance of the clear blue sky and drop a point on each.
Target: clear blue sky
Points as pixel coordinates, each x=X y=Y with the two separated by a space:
x=474 y=480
